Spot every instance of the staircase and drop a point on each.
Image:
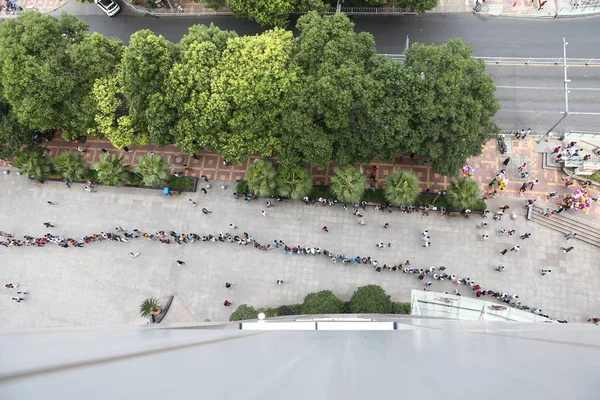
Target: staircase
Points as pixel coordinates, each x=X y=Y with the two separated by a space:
x=567 y=222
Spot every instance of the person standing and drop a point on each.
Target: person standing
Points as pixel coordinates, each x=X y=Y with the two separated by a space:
x=324 y=229
x=566 y=250
x=226 y=303
x=263 y=212
x=228 y=285
x=516 y=248
x=180 y=263
x=523 y=166
x=506 y=161
x=532 y=183
x=543 y=3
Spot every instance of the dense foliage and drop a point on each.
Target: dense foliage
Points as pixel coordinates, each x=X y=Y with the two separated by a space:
x=371 y=299
x=323 y=96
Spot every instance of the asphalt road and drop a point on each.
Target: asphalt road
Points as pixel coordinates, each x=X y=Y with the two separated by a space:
x=530 y=96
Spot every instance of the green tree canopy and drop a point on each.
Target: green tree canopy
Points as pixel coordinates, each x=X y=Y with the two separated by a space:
x=401 y=188
x=145 y=67
x=34 y=162
x=111 y=170
x=370 y=299
x=463 y=193
x=348 y=184
x=261 y=178
x=323 y=302
x=334 y=97
x=249 y=94
x=13 y=135
x=294 y=182
x=270 y=12
x=452 y=104
x=153 y=169
x=190 y=86
x=49 y=67
x=70 y=165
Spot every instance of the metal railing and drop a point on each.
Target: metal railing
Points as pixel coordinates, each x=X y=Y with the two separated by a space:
x=372 y=10
x=520 y=60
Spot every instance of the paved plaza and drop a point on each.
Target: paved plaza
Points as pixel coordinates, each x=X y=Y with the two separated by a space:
x=100 y=284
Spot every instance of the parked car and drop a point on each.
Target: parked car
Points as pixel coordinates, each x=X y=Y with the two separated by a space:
x=108 y=6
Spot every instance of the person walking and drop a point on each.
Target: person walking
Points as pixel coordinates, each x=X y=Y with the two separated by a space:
x=546 y=271
x=206 y=212
x=18 y=299
x=133 y=255
x=503 y=252
x=324 y=229
x=532 y=183
x=180 y=263
x=48 y=225
x=51 y=203
x=516 y=248
x=522 y=167
x=192 y=202
x=525 y=236
x=233 y=226
x=279 y=282
x=264 y=213
x=542 y=4
x=571 y=235
x=226 y=303
x=386 y=225
x=506 y=161
x=228 y=285
x=523 y=188
x=566 y=250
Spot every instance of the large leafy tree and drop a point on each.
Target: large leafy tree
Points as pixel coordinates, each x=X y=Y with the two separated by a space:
x=145 y=68
x=401 y=187
x=113 y=119
x=348 y=184
x=463 y=193
x=261 y=178
x=249 y=94
x=70 y=165
x=33 y=162
x=153 y=169
x=49 y=66
x=13 y=135
x=452 y=104
x=333 y=99
x=243 y=312
x=294 y=182
x=111 y=170
x=370 y=299
x=190 y=86
x=271 y=12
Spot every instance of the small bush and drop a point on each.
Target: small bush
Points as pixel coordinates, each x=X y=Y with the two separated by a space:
x=323 y=302
x=321 y=191
x=401 y=308
x=370 y=299
x=285 y=310
x=180 y=183
x=374 y=196
x=241 y=187
x=244 y=311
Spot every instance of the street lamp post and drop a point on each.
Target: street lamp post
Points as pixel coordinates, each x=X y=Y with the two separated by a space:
x=566 y=88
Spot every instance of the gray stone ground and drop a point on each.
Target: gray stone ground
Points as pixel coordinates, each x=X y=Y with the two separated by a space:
x=101 y=285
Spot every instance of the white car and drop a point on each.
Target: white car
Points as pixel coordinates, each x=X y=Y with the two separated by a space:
x=108 y=6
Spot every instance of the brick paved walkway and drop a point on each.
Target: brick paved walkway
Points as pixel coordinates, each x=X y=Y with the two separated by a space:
x=486 y=167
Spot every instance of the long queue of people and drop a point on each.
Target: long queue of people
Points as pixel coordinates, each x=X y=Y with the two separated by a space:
x=172 y=237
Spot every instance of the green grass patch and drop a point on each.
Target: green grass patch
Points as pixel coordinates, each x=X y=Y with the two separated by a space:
x=180 y=183
x=374 y=196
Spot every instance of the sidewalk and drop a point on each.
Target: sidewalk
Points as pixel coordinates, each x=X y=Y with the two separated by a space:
x=43 y=6
x=486 y=167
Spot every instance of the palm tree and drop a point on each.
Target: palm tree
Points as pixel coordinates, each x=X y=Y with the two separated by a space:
x=70 y=166
x=34 y=162
x=348 y=184
x=463 y=193
x=401 y=188
x=261 y=178
x=111 y=170
x=153 y=169
x=294 y=182
x=150 y=306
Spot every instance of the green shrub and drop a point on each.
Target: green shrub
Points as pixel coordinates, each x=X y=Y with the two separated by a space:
x=241 y=187
x=321 y=191
x=180 y=182
x=285 y=310
x=370 y=299
x=401 y=308
x=323 y=302
x=243 y=312
x=374 y=196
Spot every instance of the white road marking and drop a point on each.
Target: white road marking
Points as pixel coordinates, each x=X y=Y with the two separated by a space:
x=545 y=88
